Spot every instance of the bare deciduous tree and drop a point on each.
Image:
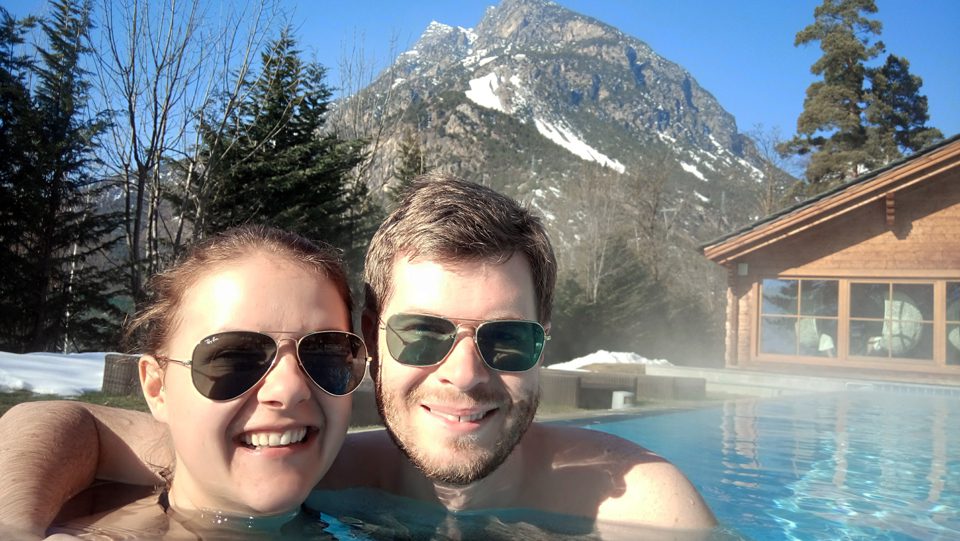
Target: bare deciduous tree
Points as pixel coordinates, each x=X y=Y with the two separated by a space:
x=163 y=69
x=772 y=190
x=362 y=109
x=650 y=214
x=596 y=213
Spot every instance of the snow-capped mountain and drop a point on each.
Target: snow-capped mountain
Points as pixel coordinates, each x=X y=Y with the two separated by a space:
x=537 y=93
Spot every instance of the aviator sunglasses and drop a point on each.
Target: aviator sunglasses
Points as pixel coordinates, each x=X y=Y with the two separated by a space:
x=226 y=365
x=504 y=345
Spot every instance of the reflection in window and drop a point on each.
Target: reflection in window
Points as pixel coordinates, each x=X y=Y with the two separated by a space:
x=953 y=322
x=819 y=298
x=780 y=297
x=799 y=317
x=778 y=335
x=891 y=320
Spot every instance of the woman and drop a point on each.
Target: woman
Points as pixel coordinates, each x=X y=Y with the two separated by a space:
x=246 y=356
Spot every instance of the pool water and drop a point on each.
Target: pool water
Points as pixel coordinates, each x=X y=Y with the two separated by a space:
x=852 y=466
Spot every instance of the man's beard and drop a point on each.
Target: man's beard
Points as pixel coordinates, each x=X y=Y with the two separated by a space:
x=456 y=469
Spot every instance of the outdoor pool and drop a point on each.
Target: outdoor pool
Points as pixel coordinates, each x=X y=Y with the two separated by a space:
x=848 y=466
x=853 y=466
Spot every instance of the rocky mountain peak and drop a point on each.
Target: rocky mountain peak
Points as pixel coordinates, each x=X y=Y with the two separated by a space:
x=536 y=92
x=538 y=23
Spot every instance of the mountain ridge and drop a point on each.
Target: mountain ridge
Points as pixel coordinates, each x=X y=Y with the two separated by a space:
x=603 y=136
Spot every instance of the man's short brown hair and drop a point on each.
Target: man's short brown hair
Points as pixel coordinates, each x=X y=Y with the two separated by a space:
x=451 y=220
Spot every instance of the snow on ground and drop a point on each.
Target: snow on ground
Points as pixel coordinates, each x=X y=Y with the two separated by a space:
x=607 y=357
x=71 y=375
x=52 y=373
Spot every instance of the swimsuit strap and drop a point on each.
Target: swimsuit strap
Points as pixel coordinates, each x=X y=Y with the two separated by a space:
x=164 y=501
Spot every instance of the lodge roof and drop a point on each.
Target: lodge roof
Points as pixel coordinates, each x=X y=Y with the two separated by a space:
x=866 y=188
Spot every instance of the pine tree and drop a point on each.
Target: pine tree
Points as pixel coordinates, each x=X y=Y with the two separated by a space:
x=278 y=167
x=850 y=117
x=897 y=112
x=61 y=297
x=830 y=128
x=411 y=164
x=18 y=129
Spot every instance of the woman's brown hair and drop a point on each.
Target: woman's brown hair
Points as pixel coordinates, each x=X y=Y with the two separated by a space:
x=148 y=331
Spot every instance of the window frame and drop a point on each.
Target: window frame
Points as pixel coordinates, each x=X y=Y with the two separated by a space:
x=797 y=316
x=843 y=357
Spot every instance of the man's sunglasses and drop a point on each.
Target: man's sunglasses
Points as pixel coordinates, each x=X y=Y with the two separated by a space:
x=504 y=345
x=226 y=365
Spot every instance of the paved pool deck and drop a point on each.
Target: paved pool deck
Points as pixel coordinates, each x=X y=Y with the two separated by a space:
x=727 y=383
x=774 y=381
x=733 y=383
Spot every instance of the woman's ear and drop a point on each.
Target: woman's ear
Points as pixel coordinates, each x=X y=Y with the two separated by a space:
x=151 y=382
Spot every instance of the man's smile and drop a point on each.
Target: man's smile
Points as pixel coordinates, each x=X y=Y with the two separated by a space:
x=459 y=415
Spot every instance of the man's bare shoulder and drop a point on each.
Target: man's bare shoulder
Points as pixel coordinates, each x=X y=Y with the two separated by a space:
x=618 y=480
x=572 y=443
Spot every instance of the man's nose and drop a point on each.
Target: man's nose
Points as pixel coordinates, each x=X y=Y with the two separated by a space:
x=464 y=367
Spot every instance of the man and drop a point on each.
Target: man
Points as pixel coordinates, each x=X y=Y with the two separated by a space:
x=460 y=284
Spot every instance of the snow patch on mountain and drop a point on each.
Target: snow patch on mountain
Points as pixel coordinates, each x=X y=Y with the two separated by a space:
x=562 y=135
x=483 y=92
x=437 y=29
x=755 y=173
x=692 y=169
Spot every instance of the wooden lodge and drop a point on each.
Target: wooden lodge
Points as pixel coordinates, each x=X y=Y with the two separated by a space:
x=864 y=277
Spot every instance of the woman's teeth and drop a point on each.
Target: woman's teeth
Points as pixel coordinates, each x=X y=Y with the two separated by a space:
x=274 y=439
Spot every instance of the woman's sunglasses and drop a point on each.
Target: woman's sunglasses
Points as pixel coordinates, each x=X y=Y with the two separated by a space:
x=504 y=345
x=226 y=365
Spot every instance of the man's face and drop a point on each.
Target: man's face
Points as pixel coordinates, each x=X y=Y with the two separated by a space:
x=459 y=420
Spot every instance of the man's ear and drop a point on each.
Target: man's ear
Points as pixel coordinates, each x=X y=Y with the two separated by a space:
x=151 y=382
x=370 y=327
x=546 y=330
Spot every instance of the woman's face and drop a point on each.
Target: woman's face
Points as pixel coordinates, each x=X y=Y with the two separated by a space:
x=217 y=467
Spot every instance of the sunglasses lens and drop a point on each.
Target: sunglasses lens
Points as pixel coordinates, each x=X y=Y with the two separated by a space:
x=510 y=346
x=228 y=364
x=416 y=340
x=335 y=361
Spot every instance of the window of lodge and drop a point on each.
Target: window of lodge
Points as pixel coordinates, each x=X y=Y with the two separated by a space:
x=880 y=320
x=799 y=317
x=892 y=320
x=953 y=323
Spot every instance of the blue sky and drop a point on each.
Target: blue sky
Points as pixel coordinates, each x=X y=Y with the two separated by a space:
x=740 y=51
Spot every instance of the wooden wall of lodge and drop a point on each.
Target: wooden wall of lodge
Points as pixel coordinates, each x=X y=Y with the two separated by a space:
x=922 y=243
